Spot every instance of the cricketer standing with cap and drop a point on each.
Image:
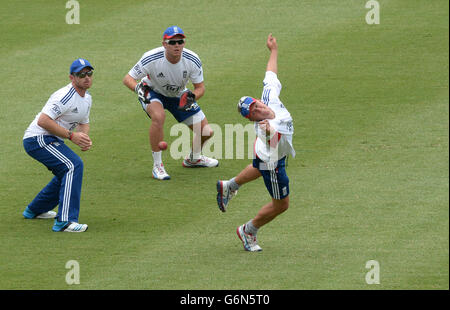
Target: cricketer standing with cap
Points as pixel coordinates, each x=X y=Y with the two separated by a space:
x=274 y=131
x=64 y=116
x=164 y=73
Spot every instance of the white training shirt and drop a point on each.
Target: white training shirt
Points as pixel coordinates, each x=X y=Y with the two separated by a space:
x=66 y=107
x=282 y=123
x=164 y=77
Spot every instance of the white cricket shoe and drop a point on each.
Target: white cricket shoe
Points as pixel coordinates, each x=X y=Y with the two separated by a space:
x=160 y=173
x=224 y=194
x=47 y=215
x=249 y=241
x=69 y=227
x=75 y=227
x=203 y=161
x=28 y=214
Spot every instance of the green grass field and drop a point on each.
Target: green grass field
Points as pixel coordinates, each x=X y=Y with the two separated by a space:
x=370 y=181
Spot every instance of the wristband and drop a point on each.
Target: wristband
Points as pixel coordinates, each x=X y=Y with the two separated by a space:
x=70 y=135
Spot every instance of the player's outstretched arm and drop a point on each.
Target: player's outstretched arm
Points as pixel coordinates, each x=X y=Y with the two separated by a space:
x=272 y=64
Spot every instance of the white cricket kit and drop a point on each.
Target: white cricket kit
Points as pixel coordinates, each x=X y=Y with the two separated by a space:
x=282 y=123
x=66 y=107
x=164 y=77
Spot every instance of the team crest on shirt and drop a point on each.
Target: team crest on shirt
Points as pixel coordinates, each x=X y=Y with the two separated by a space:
x=184 y=74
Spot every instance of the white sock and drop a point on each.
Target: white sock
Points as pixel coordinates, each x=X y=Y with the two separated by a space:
x=250 y=229
x=195 y=156
x=157 y=158
x=233 y=185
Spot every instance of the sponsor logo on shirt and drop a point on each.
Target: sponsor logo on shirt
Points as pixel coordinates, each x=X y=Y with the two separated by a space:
x=56 y=109
x=289 y=126
x=73 y=126
x=137 y=69
x=172 y=88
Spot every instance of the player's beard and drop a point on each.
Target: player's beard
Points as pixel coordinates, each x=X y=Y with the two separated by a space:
x=84 y=83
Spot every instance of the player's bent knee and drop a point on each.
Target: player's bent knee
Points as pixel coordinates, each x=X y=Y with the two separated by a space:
x=156 y=112
x=78 y=164
x=158 y=119
x=281 y=205
x=207 y=131
x=284 y=207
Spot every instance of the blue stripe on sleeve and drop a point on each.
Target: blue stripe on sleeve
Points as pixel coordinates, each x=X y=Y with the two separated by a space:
x=192 y=58
x=68 y=96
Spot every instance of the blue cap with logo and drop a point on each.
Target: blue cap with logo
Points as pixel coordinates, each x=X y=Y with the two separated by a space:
x=244 y=105
x=79 y=64
x=173 y=31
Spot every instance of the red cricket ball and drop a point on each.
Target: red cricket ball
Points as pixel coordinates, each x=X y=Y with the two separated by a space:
x=162 y=145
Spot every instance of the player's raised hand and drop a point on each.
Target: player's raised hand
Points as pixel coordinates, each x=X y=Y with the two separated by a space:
x=272 y=42
x=265 y=126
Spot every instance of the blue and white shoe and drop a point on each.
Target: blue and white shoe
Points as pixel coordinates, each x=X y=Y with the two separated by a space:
x=69 y=227
x=160 y=173
x=224 y=194
x=249 y=240
x=28 y=214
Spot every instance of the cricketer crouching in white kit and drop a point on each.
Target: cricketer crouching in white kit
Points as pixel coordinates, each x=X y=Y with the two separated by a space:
x=66 y=110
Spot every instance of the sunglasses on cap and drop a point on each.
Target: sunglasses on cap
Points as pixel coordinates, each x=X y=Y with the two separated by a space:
x=173 y=42
x=82 y=75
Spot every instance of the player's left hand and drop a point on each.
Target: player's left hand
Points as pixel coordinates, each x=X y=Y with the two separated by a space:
x=187 y=101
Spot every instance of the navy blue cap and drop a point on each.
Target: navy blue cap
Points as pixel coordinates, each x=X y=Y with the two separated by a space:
x=244 y=105
x=173 y=31
x=79 y=64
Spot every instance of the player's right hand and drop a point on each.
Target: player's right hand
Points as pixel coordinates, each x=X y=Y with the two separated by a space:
x=272 y=42
x=142 y=90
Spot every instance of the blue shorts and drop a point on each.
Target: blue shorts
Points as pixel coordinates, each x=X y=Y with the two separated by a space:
x=171 y=104
x=275 y=177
